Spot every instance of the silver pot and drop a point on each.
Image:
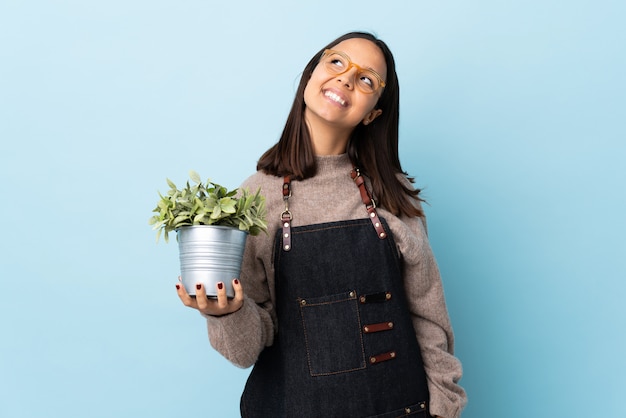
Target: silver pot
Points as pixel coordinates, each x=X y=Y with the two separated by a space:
x=210 y=254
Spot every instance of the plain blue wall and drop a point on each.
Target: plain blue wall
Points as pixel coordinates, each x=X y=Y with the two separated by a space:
x=512 y=119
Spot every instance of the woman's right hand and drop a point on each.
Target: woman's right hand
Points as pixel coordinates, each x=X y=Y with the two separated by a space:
x=215 y=307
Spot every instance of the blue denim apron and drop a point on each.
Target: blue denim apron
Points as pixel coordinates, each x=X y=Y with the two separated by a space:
x=345 y=346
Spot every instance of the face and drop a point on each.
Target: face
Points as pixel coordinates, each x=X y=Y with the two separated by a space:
x=337 y=99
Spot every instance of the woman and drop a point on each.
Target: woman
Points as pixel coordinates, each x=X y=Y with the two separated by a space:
x=342 y=312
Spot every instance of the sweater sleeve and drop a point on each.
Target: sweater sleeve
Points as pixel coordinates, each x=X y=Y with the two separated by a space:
x=431 y=321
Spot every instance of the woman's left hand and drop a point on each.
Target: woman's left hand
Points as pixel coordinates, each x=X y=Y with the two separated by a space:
x=222 y=305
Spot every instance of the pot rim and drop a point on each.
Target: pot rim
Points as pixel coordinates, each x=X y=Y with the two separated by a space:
x=211 y=226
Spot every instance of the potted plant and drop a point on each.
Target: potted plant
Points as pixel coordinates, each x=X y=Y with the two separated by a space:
x=212 y=224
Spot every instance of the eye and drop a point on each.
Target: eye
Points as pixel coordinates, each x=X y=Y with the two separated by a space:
x=336 y=62
x=365 y=79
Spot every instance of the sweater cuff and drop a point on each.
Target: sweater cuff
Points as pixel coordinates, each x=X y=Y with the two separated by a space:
x=441 y=405
x=226 y=320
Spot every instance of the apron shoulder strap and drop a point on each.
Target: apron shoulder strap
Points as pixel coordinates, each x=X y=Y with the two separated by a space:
x=285 y=217
x=369 y=203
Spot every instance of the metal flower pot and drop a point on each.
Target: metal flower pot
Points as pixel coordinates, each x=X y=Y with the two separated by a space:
x=210 y=254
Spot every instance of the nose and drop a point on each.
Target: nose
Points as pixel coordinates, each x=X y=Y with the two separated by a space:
x=348 y=78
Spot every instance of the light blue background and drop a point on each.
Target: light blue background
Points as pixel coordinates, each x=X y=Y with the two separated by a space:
x=512 y=119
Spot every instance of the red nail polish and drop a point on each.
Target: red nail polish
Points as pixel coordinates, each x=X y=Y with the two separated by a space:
x=236 y=281
x=198 y=286
x=177 y=286
x=220 y=285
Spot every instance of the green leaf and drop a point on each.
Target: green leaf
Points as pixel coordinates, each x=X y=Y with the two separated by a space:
x=217 y=210
x=198 y=219
x=194 y=176
x=228 y=205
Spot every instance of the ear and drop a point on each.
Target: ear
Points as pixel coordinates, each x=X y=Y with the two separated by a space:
x=369 y=118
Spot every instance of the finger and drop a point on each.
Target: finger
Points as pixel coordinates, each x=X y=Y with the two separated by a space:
x=184 y=296
x=222 y=299
x=201 y=300
x=238 y=299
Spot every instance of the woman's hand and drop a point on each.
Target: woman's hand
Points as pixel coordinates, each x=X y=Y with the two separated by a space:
x=216 y=307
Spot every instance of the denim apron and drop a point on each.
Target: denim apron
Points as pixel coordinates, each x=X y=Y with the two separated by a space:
x=345 y=346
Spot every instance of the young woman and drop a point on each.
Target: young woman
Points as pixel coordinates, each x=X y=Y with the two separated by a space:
x=342 y=311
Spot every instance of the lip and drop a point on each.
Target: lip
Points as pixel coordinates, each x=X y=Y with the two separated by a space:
x=335 y=97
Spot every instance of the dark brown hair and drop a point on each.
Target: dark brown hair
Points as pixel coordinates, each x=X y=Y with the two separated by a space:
x=372 y=148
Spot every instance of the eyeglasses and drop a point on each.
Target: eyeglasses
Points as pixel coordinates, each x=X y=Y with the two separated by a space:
x=336 y=62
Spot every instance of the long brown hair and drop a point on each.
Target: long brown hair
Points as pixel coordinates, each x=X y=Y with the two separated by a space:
x=373 y=147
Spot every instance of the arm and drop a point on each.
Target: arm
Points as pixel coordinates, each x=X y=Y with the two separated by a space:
x=431 y=322
x=242 y=335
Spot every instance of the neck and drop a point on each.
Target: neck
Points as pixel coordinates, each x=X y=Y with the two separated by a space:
x=326 y=138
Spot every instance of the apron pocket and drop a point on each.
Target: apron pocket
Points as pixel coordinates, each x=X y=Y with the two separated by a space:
x=332 y=333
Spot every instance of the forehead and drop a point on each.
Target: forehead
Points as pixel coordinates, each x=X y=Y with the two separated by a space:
x=364 y=53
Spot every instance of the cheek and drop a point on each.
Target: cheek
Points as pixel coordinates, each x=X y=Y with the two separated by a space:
x=315 y=81
x=307 y=94
x=312 y=87
x=370 y=103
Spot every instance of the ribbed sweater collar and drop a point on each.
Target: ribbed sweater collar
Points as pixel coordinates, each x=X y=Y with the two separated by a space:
x=330 y=164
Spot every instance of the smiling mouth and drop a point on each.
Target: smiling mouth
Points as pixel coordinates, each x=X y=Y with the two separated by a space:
x=335 y=98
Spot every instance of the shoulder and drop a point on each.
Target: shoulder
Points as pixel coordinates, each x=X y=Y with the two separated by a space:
x=270 y=186
x=408 y=183
x=260 y=180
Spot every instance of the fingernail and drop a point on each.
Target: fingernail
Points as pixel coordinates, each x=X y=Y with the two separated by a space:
x=198 y=286
x=236 y=281
x=177 y=286
x=220 y=285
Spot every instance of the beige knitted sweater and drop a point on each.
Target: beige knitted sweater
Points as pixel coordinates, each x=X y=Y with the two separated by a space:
x=331 y=196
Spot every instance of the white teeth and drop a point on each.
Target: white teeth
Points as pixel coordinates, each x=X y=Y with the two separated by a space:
x=335 y=97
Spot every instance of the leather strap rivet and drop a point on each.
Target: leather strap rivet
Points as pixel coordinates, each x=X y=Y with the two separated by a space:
x=377 y=224
x=392 y=354
x=388 y=296
x=286 y=247
x=372 y=215
x=372 y=360
x=286 y=235
x=382 y=235
x=390 y=325
x=303 y=302
x=407 y=410
x=351 y=294
x=423 y=405
x=363 y=299
x=366 y=329
x=286 y=224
